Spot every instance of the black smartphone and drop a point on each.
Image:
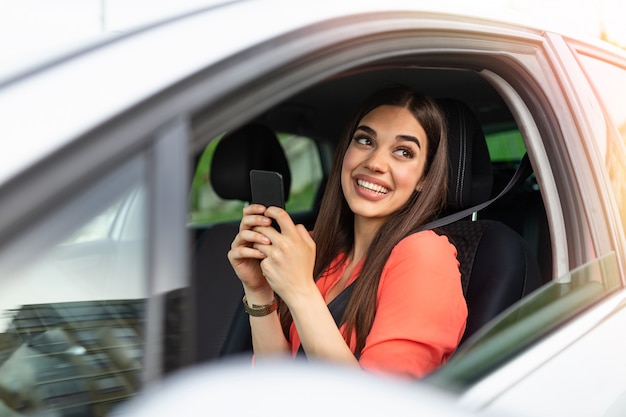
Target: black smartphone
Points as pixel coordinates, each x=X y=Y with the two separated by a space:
x=267 y=189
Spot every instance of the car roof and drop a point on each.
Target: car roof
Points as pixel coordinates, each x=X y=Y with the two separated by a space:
x=51 y=104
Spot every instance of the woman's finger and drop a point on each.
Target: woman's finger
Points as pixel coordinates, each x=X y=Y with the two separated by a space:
x=254 y=209
x=265 y=250
x=305 y=235
x=245 y=252
x=247 y=237
x=252 y=221
x=273 y=235
x=283 y=219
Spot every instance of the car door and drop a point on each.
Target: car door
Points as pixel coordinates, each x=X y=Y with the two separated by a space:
x=84 y=312
x=561 y=353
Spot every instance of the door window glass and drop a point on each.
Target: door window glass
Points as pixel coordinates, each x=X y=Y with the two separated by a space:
x=71 y=320
x=609 y=81
x=531 y=319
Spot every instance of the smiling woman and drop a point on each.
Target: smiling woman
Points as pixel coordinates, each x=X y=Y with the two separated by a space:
x=388 y=178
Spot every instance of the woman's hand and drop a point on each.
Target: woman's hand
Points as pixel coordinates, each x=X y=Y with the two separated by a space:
x=287 y=264
x=244 y=254
x=289 y=260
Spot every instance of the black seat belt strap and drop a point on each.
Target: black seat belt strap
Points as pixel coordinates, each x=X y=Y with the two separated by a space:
x=337 y=307
x=523 y=171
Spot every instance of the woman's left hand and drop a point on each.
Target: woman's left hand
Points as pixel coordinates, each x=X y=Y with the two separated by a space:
x=290 y=258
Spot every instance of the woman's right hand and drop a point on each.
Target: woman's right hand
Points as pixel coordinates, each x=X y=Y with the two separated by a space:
x=243 y=257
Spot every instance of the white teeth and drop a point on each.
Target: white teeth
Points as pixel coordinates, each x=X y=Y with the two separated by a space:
x=372 y=187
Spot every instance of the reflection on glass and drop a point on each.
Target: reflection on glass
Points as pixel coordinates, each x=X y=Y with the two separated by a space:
x=609 y=81
x=528 y=321
x=71 y=323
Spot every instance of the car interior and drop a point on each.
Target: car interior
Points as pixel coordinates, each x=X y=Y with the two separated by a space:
x=504 y=249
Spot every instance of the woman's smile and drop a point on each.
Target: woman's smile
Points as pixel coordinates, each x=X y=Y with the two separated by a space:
x=384 y=162
x=370 y=188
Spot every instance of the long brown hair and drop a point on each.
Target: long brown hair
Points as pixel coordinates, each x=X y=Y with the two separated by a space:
x=334 y=232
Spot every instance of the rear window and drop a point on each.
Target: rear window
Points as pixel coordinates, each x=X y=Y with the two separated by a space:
x=302 y=153
x=506 y=146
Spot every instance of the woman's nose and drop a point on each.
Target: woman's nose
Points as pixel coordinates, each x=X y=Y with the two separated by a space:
x=376 y=162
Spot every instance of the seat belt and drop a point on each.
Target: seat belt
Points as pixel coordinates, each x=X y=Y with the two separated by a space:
x=338 y=305
x=524 y=169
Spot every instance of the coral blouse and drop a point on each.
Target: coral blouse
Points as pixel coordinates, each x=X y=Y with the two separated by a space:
x=421 y=311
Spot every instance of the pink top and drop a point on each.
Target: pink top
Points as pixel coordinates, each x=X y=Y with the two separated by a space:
x=421 y=311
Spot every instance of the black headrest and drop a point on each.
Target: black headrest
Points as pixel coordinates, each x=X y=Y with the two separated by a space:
x=470 y=179
x=253 y=146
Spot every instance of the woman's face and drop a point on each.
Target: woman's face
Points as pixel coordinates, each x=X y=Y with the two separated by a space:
x=384 y=162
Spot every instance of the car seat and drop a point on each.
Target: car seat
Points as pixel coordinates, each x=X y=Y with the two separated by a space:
x=217 y=291
x=523 y=210
x=497 y=266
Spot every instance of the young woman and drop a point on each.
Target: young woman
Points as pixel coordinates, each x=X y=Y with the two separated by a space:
x=406 y=313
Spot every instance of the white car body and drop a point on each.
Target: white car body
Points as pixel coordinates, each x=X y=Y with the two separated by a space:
x=80 y=129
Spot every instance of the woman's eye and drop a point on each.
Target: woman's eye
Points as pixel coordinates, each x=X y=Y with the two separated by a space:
x=405 y=153
x=363 y=140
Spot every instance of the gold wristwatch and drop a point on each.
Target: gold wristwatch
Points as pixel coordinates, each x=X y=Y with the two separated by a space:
x=259 y=311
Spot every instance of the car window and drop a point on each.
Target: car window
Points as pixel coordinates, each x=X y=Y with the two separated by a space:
x=609 y=81
x=97 y=229
x=506 y=150
x=505 y=146
x=526 y=322
x=71 y=320
x=302 y=154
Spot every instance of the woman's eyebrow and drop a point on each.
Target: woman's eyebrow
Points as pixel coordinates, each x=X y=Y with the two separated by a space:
x=366 y=129
x=372 y=132
x=410 y=139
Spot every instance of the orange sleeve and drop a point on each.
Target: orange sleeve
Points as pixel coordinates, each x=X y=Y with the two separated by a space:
x=421 y=312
